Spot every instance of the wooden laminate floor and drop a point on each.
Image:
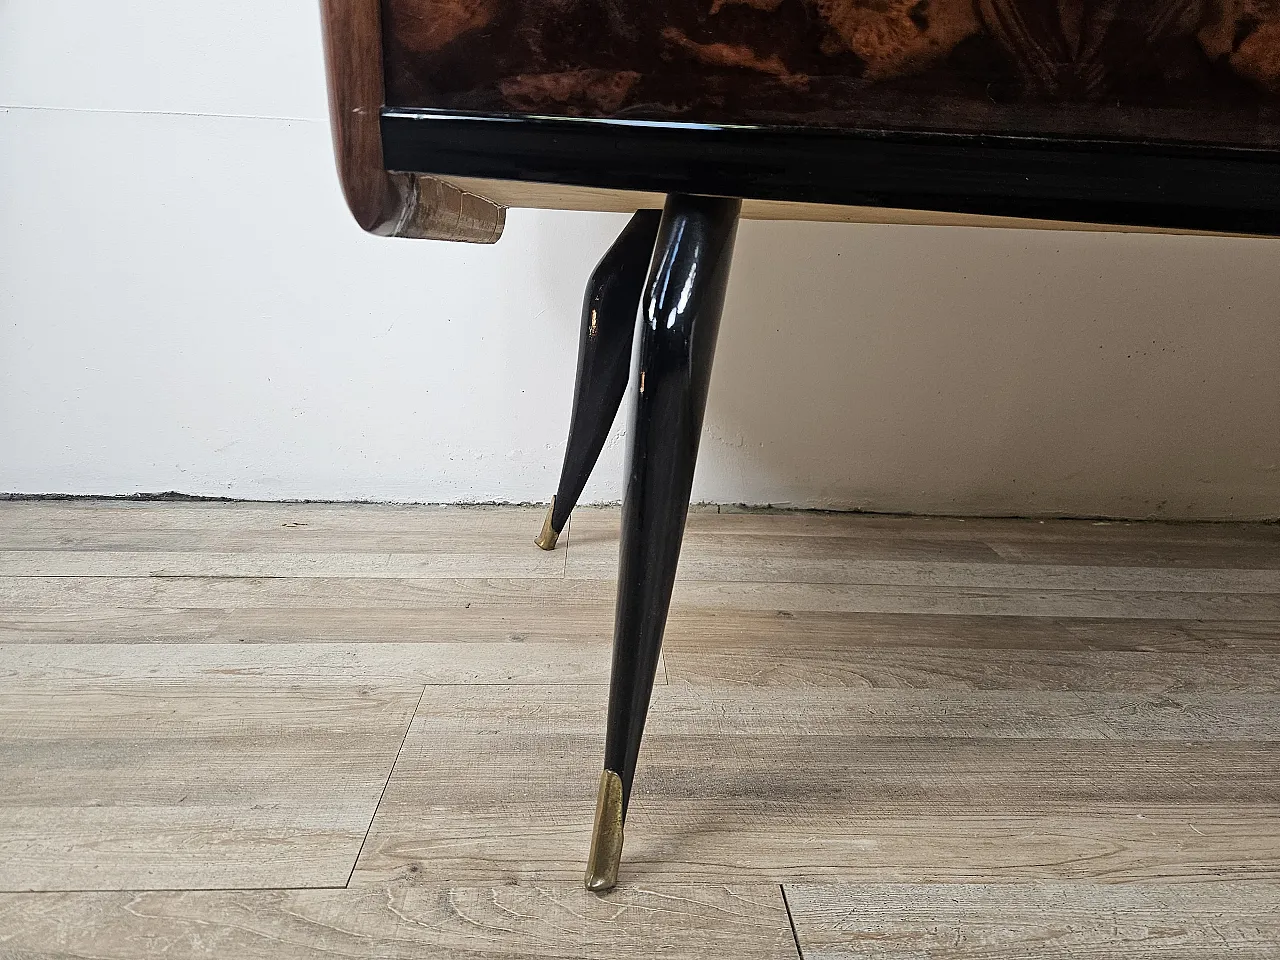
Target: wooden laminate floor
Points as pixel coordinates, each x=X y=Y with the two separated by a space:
x=284 y=731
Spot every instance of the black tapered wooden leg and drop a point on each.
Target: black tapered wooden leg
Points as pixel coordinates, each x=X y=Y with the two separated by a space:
x=604 y=362
x=676 y=337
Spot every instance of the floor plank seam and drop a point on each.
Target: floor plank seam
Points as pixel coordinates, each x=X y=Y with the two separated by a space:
x=386 y=783
x=795 y=936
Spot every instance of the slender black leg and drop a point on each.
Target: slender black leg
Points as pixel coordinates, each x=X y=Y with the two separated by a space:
x=604 y=362
x=679 y=319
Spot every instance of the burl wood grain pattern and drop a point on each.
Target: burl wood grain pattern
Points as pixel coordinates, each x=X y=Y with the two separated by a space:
x=1190 y=70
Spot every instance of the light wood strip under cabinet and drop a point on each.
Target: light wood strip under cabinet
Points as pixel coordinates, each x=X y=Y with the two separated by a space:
x=555 y=196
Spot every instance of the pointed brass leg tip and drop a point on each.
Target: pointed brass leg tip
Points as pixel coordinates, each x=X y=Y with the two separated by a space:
x=606 y=839
x=548 y=537
x=602 y=883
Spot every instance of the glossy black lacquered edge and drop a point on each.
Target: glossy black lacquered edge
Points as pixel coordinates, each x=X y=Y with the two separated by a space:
x=1161 y=185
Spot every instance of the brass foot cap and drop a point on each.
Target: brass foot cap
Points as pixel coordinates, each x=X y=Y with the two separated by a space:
x=548 y=537
x=606 y=839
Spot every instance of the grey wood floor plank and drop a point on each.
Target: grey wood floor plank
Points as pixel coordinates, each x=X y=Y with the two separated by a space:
x=504 y=540
x=1037 y=921
x=718 y=845
x=405 y=922
x=198 y=783
x=587 y=660
x=594 y=523
x=1068 y=555
x=837 y=631
x=282 y=593
x=790 y=536
x=69 y=714
x=543 y=596
x=271 y=540
x=1226 y=553
x=63 y=522
x=269 y=527
x=873 y=598
x=463 y=622
x=758 y=664
x=682 y=709
x=815 y=560
x=500 y=662
x=437 y=564
x=479 y=792
x=701 y=631
x=765 y=777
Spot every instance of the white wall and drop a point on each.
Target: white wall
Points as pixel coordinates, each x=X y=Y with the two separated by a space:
x=185 y=305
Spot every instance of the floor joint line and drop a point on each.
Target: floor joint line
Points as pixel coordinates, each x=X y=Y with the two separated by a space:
x=390 y=773
x=795 y=937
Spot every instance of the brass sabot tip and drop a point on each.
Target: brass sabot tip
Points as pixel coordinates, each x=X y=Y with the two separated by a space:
x=606 y=839
x=548 y=537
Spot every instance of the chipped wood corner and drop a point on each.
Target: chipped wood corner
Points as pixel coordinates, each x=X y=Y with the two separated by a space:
x=383 y=203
